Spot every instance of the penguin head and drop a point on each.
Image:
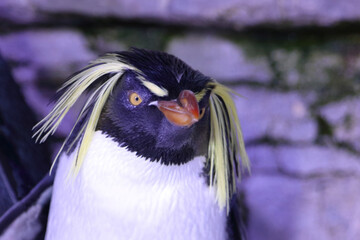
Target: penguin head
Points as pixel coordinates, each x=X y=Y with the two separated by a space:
x=155 y=105
x=157 y=111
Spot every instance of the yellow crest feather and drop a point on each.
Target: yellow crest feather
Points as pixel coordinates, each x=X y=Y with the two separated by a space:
x=225 y=143
x=74 y=88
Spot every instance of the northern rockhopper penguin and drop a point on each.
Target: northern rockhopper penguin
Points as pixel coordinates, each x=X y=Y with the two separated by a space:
x=155 y=153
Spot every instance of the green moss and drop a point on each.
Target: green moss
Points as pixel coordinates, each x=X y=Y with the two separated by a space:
x=154 y=38
x=349 y=121
x=324 y=128
x=258 y=43
x=149 y=38
x=324 y=64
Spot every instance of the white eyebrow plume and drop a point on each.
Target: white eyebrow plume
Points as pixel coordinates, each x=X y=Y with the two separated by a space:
x=155 y=89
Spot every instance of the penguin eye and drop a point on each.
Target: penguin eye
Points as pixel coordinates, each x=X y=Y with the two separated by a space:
x=202 y=112
x=135 y=99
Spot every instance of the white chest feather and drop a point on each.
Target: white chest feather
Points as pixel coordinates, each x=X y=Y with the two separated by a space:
x=118 y=195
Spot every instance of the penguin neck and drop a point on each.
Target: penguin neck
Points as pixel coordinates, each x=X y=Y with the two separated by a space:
x=132 y=197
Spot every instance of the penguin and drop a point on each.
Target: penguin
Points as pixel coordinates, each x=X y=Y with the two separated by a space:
x=156 y=153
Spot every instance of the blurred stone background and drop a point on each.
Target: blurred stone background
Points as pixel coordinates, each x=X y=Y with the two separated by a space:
x=297 y=64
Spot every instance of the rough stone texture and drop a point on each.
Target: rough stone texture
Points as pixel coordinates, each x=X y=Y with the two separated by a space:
x=242 y=12
x=236 y=13
x=317 y=161
x=344 y=116
x=262 y=159
x=45 y=54
x=18 y=11
x=294 y=70
x=219 y=58
x=303 y=161
x=123 y=8
x=312 y=190
x=321 y=208
x=274 y=114
x=280 y=196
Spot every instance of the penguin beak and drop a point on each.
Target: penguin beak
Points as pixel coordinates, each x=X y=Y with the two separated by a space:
x=184 y=111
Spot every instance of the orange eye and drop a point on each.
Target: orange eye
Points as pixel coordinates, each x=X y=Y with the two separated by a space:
x=135 y=99
x=202 y=112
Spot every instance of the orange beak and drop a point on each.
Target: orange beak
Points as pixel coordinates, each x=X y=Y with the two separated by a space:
x=183 y=112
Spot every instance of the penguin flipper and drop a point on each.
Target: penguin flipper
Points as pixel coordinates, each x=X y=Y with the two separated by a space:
x=22 y=162
x=27 y=218
x=237 y=219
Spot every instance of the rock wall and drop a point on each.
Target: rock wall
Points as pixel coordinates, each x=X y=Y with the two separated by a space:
x=296 y=64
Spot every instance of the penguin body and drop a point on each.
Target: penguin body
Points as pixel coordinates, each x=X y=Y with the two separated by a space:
x=118 y=195
x=154 y=153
